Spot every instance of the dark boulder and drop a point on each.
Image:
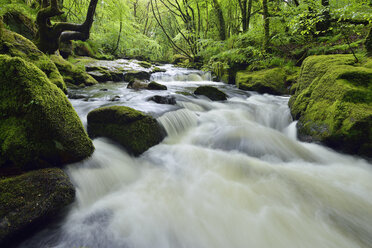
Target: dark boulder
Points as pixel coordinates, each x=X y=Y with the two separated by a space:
x=163 y=99
x=30 y=199
x=156 y=86
x=135 y=131
x=211 y=92
x=140 y=75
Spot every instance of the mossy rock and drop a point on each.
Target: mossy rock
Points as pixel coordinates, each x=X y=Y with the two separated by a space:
x=157 y=69
x=15 y=45
x=21 y=24
x=104 y=74
x=145 y=64
x=71 y=73
x=156 y=86
x=135 y=131
x=271 y=81
x=140 y=75
x=333 y=103
x=30 y=199
x=38 y=126
x=211 y=92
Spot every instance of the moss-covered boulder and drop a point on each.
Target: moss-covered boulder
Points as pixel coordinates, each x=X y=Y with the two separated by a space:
x=30 y=199
x=156 y=86
x=38 y=126
x=15 y=45
x=145 y=64
x=333 y=103
x=71 y=73
x=271 y=81
x=211 y=92
x=140 y=75
x=20 y=23
x=104 y=74
x=157 y=69
x=134 y=130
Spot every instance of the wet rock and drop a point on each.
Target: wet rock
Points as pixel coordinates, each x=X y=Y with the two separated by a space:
x=76 y=96
x=163 y=99
x=145 y=64
x=38 y=126
x=30 y=199
x=211 y=92
x=104 y=74
x=103 y=90
x=135 y=131
x=115 y=99
x=156 y=86
x=137 y=84
x=140 y=75
x=157 y=69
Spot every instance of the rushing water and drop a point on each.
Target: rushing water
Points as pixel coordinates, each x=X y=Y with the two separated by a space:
x=229 y=175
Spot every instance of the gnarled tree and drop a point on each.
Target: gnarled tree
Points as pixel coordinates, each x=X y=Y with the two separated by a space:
x=51 y=34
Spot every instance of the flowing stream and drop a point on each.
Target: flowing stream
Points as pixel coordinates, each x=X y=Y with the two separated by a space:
x=229 y=175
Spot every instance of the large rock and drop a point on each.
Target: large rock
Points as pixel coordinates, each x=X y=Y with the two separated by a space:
x=134 y=130
x=38 y=126
x=156 y=86
x=15 y=45
x=30 y=199
x=20 y=23
x=71 y=73
x=211 y=92
x=104 y=74
x=140 y=75
x=271 y=81
x=333 y=103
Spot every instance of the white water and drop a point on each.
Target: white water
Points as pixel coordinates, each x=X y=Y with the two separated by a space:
x=229 y=175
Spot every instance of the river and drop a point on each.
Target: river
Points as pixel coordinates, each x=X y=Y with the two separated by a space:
x=230 y=174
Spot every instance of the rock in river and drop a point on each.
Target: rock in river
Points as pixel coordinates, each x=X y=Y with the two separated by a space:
x=135 y=131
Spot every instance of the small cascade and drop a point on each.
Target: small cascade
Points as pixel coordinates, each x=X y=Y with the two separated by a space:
x=182 y=75
x=178 y=121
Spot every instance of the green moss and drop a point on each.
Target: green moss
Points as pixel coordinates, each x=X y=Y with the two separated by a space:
x=211 y=92
x=132 y=129
x=38 y=126
x=15 y=45
x=145 y=64
x=157 y=69
x=270 y=81
x=71 y=73
x=32 y=197
x=20 y=23
x=333 y=102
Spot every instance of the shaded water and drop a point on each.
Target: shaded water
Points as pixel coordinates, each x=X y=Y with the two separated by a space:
x=229 y=174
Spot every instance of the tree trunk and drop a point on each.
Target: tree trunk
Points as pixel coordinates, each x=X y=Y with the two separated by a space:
x=249 y=12
x=49 y=35
x=221 y=19
x=368 y=43
x=266 y=24
x=325 y=23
